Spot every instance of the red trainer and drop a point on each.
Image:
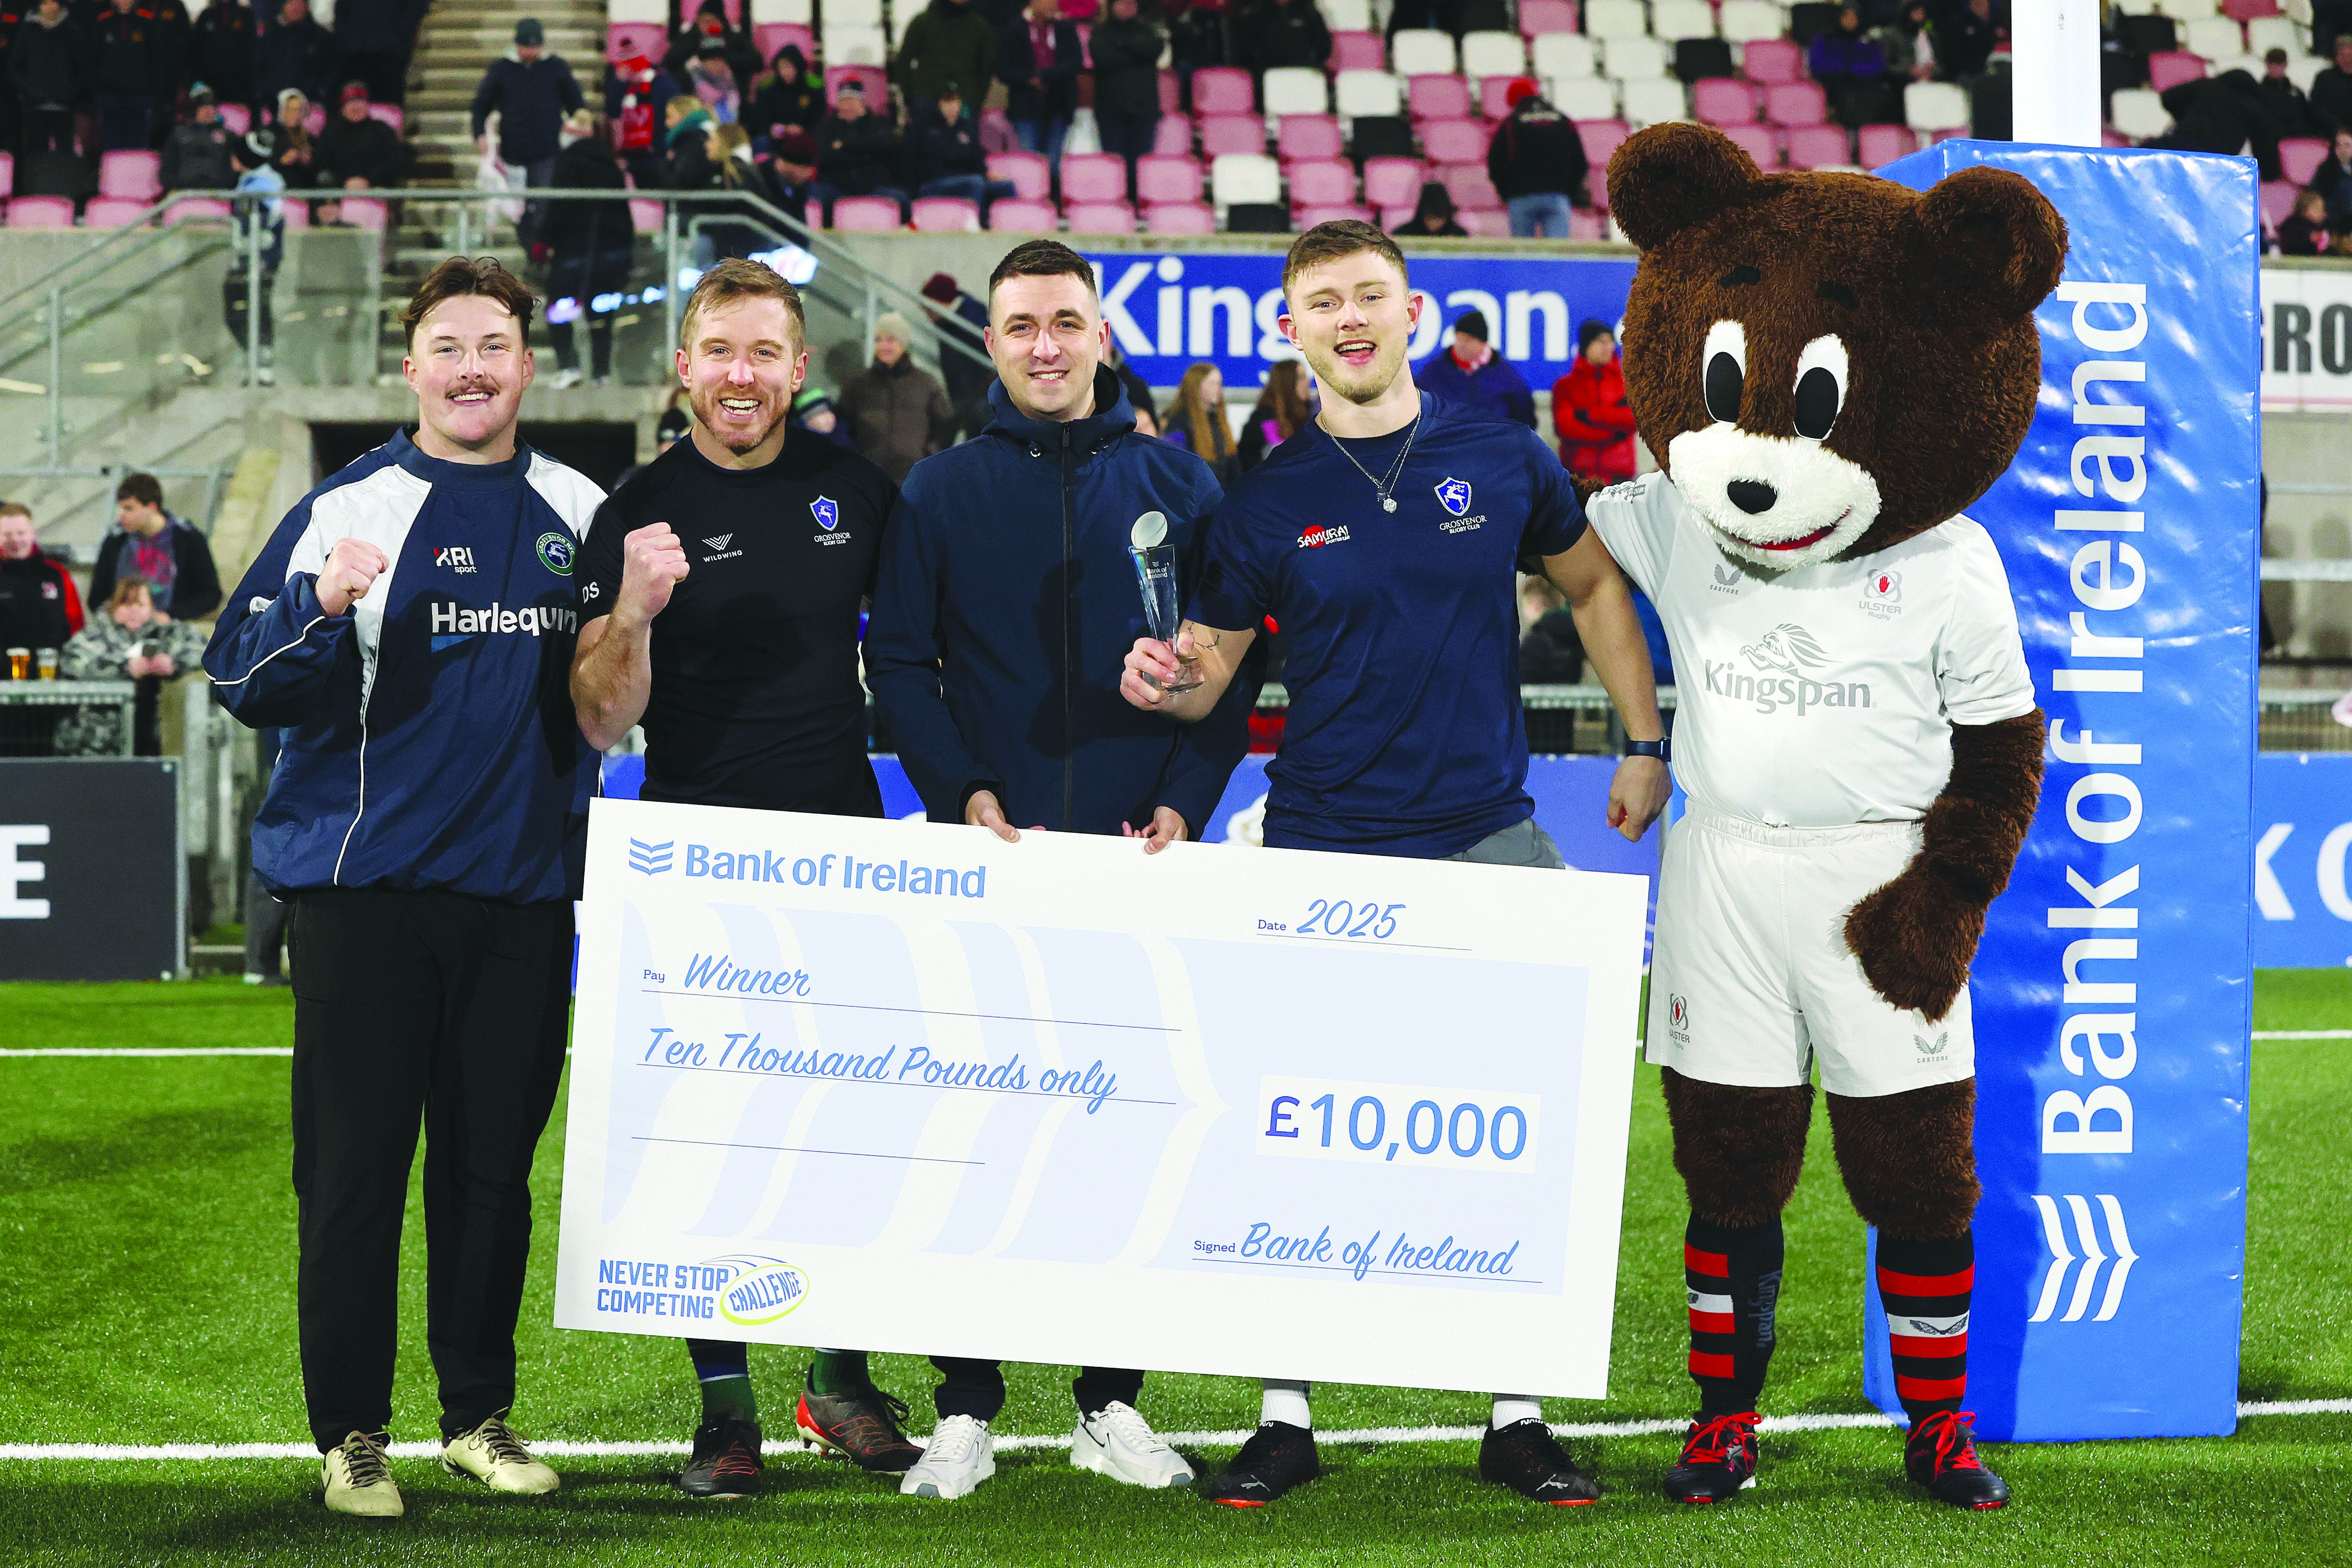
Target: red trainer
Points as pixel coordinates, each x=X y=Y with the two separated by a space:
x=1940 y=1453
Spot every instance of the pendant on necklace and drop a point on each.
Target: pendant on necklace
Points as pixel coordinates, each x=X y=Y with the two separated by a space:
x=1387 y=504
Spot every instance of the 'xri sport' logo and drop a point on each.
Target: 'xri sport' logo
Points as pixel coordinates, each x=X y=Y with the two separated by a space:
x=652 y=859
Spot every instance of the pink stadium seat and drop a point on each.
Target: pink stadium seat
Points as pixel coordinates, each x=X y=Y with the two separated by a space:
x=7 y=173
x=1601 y=138
x=41 y=212
x=390 y=113
x=2171 y=67
x=1584 y=223
x=624 y=39
x=1308 y=136
x=1223 y=89
x=1100 y=217
x=1021 y=214
x=1795 y=103
x=1224 y=133
x=113 y=212
x=1030 y=173
x=769 y=36
x=1720 y=100
x=945 y=214
x=1756 y=140
x=1166 y=179
x=1546 y=16
x=2111 y=137
x=1455 y=140
x=1812 y=146
x=2247 y=10
x=1171 y=93
x=1307 y=217
x=1488 y=223
x=2276 y=196
x=238 y=118
x=1392 y=182
x=1882 y=144
x=296 y=215
x=1494 y=96
x=1179 y=218
x=1093 y=177
x=1468 y=185
x=876 y=81
x=1322 y=184
x=365 y=211
x=202 y=209
x=1358 y=52
x=135 y=176
x=866 y=215
x=2300 y=157
x=1173 y=135
x=1394 y=218
x=1437 y=98
x=1771 y=60
x=645 y=218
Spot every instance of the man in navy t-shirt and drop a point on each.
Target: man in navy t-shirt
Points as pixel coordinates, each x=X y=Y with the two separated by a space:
x=1383 y=540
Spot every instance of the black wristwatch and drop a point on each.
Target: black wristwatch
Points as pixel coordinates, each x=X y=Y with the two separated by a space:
x=1657 y=749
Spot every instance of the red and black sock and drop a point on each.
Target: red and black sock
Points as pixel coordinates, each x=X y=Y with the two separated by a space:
x=1733 y=1275
x=1925 y=1286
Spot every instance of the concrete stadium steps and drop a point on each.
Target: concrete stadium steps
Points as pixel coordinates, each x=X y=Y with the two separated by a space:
x=456 y=44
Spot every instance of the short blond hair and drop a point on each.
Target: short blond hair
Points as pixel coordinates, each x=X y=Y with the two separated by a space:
x=1334 y=241
x=740 y=278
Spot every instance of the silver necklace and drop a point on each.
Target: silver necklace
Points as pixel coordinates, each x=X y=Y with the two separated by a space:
x=1381 y=488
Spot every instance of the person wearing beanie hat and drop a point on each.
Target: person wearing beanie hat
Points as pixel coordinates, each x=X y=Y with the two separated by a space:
x=357 y=152
x=1538 y=165
x=813 y=411
x=195 y=155
x=1472 y=373
x=1434 y=219
x=530 y=91
x=962 y=325
x=856 y=152
x=896 y=413
x=253 y=155
x=1590 y=411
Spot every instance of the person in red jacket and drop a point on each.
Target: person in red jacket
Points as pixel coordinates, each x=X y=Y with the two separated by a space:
x=1589 y=410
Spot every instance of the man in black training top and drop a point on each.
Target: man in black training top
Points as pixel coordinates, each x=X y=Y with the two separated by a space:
x=752 y=544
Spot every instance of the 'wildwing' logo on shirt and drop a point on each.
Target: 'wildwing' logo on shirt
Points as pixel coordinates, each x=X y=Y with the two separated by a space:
x=717 y=542
x=1787 y=658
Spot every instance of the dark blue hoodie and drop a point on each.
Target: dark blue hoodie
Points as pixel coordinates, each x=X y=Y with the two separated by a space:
x=1005 y=605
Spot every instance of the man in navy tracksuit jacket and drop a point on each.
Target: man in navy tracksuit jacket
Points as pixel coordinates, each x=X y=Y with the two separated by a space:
x=409 y=630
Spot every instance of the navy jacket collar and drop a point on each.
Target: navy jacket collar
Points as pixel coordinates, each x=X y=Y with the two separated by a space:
x=437 y=471
x=1113 y=417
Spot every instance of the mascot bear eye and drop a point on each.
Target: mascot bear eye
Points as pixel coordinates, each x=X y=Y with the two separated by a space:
x=1723 y=362
x=1821 y=386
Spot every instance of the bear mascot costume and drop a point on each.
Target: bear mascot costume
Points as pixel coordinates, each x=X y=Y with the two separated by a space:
x=1829 y=367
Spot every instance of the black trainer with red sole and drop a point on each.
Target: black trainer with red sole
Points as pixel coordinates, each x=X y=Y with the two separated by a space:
x=1277 y=1456
x=1526 y=1458
x=1719 y=1459
x=1940 y=1454
x=863 y=1427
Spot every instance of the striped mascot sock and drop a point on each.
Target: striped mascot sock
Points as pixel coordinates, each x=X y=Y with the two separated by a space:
x=1733 y=1276
x=1925 y=1286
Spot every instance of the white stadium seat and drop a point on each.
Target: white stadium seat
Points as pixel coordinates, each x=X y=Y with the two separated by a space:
x=1295 y=90
x=1935 y=106
x=654 y=11
x=2249 y=64
x=1616 y=19
x=856 y=46
x=2139 y=113
x=1366 y=92
x=1244 y=177
x=2264 y=34
x=1349 y=16
x=1672 y=19
x=1747 y=21
x=841 y=14
x=1656 y=102
x=1634 y=60
x=1495 y=54
x=2186 y=10
x=1584 y=97
x=801 y=13
x=2214 y=38
x=1421 y=51
x=1565 y=53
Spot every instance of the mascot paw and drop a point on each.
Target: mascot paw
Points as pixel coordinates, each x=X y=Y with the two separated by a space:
x=1914 y=938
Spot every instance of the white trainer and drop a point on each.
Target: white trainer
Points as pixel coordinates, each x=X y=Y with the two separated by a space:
x=494 y=1456
x=357 y=1479
x=1117 y=1442
x=960 y=1456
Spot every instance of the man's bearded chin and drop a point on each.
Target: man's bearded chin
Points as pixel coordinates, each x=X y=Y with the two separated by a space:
x=706 y=410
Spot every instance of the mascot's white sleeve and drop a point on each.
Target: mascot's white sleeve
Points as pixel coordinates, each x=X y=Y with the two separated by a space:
x=1980 y=670
x=1638 y=521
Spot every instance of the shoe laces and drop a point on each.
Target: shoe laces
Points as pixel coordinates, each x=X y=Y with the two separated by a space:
x=1955 y=1443
x=1711 y=1439
x=363 y=1460
x=1127 y=1423
x=954 y=1438
x=1263 y=1445
x=498 y=1440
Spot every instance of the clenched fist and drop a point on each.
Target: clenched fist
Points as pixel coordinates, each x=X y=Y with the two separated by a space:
x=353 y=567
x=653 y=564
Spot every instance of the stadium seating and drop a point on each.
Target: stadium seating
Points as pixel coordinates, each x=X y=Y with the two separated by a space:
x=41 y=212
x=1756 y=142
x=2276 y=198
x=1802 y=103
x=1494 y=54
x=2138 y=113
x=1564 y=55
x=1161 y=181
x=1437 y=98
x=1244 y=177
x=1093 y=177
x=7 y=173
x=2300 y=157
x=1307 y=217
x=1752 y=22
x=1359 y=93
x=1179 y=218
x=769 y=36
x=1358 y=51
x=1392 y=182
x=1021 y=215
x=1421 y=51
x=2264 y=34
x=367 y=212
x=1331 y=182
x=1933 y=106
x=1296 y=89
x=623 y=40
x=1673 y=19
x=2170 y=69
x=1308 y=136
x=944 y=215
x=1721 y=101
x=1227 y=133
x=1100 y=217
x=851 y=13
x=1654 y=101
x=1222 y=90
x=113 y=212
x=1769 y=61
x=866 y=215
x=2188 y=10
x=1633 y=59
x=197 y=209
x=238 y=118
x=1455 y=140
x=1882 y=144
x=1468 y=185
x=1173 y=134
x=1495 y=95
x=1601 y=138
x=390 y=113
x=1349 y=16
x=645 y=218
x=1616 y=19
x=132 y=176
x=1818 y=147
x=1030 y=173
x=1584 y=98
x=846 y=45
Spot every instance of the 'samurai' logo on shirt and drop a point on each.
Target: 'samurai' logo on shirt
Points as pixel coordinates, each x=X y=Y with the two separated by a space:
x=1317 y=537
x=652 y=859
x=1454 y=495
x=825 y=511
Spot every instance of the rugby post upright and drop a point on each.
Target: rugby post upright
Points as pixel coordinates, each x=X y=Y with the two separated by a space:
x=2113 y=987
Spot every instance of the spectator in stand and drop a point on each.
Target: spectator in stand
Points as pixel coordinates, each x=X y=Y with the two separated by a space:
x=2331 y=90
x=637 y=101
x=1139 y=393
x=1197 y=422
x=2305 y=233
x=358 y=152
x=711 y=22
x=46 y=65
x=1198 y=36
x=224 y=41
x=947 y=42
x=1590 y=412
x=1438 y=16
x=39 y=605
x=688 y=163
x=710 y=78
x=252 y=153
x=1537 y=163
x=589 y=246
x=530 y=91
x=730 y=154
x=1848 y=63
x=125 y=67
x=2290 y=110
x=377 y=38
x=2222 y=114
x=1551 y=650
x=960 y=323
x=813 y=411
x=1474 y=374
x=1286 y=33
x=1284 y=406
x=294 y=154
x=897 y=413
x=1906 y=45
x=673 y=427
x=1434 y=218
x=164 y=549
x=856 y=154
x=1127 y=84
x=786 y=94
x=943 y=154
x=1039 y=60
x=1965 y=35
x=195 y=155
x=2333 y=181
x=788 y=176
x=295 y=51
x=128 y=638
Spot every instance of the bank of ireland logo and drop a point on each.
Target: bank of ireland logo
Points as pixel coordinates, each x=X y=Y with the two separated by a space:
x=1883 y=587
x=555 y=553
x=827 y=513
x=1786 y=648
x=2093 y=1258
x=652 y=859
x=1454 y=495
x=761 y=1291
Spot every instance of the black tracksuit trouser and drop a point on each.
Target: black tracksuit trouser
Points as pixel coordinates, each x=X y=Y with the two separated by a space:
x=452 y=1011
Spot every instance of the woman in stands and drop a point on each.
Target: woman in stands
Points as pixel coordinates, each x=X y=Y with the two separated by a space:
x=1283 y=410
x=1434 y=218
x=1848 y=63
x=1198 y=422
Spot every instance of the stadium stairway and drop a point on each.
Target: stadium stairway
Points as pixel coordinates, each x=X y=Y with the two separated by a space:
x=459 y=40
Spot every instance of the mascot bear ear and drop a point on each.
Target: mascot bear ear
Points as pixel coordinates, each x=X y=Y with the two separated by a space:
x=1669 y=177
x=1996 y=238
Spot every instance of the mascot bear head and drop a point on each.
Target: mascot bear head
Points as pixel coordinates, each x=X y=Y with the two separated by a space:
x=1827 y=365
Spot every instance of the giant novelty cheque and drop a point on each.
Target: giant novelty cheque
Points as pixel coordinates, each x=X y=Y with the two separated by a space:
x=1219 y=1110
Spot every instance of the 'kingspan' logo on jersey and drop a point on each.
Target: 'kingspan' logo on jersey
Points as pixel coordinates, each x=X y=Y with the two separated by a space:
x=1786 y=659
x=1318 y=536
x=828 y=513
x=1454 y=495
x=454 y=622
x=555 y=553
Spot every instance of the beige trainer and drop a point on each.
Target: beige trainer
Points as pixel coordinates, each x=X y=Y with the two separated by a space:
x=357 y=1479
x=494 y=1456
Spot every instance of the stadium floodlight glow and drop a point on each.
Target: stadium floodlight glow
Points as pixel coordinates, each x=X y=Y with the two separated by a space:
x=563 y=310
x=687 y=279
x=795 y=265
x=605 y=304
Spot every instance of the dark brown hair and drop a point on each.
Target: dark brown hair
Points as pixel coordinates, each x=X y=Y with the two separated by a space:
x=144 y=488
x=463 y=275
x=127 y=587
x=1042 y=258
x=740 y=278
x=1331 y=241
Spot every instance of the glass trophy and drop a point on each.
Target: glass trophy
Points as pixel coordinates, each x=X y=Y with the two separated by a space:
x=1155 y=574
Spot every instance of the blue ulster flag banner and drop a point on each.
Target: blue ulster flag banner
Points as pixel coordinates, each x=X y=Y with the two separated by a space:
x=2113 y=989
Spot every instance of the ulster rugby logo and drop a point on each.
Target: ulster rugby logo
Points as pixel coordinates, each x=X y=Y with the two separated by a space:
x=1884 y=586
x=1454 y=495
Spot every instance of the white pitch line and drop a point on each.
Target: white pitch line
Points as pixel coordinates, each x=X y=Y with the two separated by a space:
x=560 y=1449
x=2303 y=1034
x=158 y=1051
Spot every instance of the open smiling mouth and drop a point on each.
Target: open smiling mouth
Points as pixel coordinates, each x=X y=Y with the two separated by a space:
x=1356 y=351
x=1800 y=542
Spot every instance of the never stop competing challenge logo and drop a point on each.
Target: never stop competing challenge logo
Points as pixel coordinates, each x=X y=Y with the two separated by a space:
x=747 y=1290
